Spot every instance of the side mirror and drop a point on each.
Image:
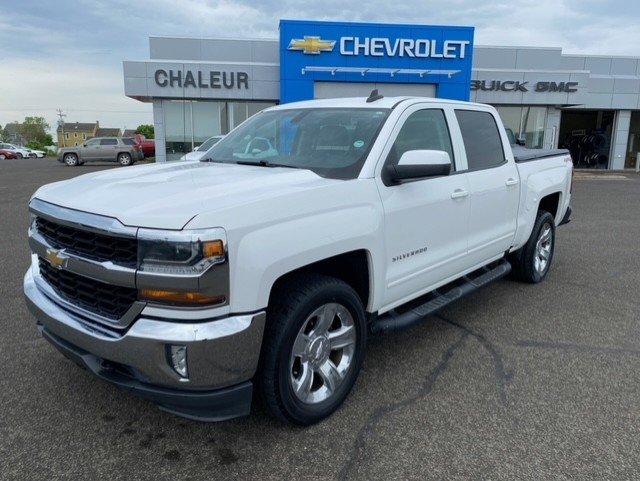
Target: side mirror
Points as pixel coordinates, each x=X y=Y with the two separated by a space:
x=419 y=164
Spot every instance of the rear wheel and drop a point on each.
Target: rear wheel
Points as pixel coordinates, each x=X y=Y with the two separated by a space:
x=531 y=262
x=313 y=349
x=2 y=156
x=124 y=159
x=71 y=160
x=18 y=155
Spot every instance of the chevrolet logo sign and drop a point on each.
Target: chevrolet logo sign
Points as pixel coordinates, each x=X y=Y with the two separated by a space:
x=312 y=45
x=57 y=259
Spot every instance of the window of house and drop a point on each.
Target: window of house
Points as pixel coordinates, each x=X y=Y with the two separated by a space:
x=75 y=135
x=84 y=136
x=481 y=139
x=66 y=135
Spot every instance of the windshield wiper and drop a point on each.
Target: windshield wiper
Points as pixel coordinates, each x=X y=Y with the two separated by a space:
x=266 y=163
x=209 y=159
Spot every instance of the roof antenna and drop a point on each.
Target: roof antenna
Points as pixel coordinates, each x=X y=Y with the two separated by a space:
x=374 y=95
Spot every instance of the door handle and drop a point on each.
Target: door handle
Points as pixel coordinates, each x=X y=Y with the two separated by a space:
x=511 y=181
x=459 y=193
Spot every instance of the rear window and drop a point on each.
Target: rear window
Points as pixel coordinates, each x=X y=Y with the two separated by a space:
x=481 y=139
x=109 y=142
x=128 y=142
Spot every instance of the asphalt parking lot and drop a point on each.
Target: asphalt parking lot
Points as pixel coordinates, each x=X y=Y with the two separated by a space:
x=514 y=382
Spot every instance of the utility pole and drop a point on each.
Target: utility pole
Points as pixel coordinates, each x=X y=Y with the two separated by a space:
x=61 y=116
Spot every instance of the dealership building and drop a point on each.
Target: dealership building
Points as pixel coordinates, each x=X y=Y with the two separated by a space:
x=200 y=87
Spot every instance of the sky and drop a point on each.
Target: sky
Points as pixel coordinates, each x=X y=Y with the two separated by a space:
x=68 y=55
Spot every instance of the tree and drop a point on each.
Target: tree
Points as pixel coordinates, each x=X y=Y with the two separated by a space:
x=146 y=130
x=34 y=129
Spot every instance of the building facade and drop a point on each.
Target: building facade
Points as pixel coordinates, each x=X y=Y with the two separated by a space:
x=202 y=87
x=70 y=134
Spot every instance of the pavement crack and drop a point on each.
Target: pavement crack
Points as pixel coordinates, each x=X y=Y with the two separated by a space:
x=502 y=377
x=578 y=348
x=428 y=385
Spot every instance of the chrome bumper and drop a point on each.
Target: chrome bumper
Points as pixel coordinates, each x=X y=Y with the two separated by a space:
x=220 y=353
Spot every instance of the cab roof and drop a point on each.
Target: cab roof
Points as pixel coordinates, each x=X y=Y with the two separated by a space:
x=361 y=102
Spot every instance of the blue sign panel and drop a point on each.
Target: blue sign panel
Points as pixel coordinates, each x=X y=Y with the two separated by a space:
x=377 y=53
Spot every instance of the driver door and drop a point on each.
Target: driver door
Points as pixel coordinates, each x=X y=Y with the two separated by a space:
x=425 y=220
x=90 y=149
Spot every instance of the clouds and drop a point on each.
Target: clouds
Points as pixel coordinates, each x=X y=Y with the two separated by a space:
x=69 y=53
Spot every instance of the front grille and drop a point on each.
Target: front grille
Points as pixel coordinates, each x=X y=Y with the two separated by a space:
x=98 y=247
x=94 y=296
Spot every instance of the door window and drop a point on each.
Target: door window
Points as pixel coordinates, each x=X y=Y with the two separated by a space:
x=423 y=130
x=481 y=139
x=93 y=143
x=109 y=142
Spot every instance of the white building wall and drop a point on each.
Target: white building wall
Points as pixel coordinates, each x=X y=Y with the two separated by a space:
x=620 y=140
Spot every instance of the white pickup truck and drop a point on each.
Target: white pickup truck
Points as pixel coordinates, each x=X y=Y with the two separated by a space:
x=269 y=262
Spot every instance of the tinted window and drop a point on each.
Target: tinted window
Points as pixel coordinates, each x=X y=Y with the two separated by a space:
x=423 y=130
x=481 y=139
x=93 y=142
x=128 y=142
x=109 y=142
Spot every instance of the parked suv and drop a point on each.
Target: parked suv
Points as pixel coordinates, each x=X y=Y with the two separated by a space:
x=103 y=149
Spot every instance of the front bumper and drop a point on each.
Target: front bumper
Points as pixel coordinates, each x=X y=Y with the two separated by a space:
x=222 y=355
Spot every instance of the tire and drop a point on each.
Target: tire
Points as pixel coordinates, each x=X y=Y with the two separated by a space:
x=124 y=159
x=531 y=263
x=71 y=160
x=2 y=156
x=306 y=315
x=18 y=155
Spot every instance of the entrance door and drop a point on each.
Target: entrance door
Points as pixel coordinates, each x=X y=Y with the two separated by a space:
x=425 y=220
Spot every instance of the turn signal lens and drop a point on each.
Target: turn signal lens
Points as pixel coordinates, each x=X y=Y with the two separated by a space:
x=213 y=248
x=193 y=298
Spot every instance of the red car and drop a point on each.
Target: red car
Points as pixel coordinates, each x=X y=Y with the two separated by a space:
x=7 y=154
x=148 y=146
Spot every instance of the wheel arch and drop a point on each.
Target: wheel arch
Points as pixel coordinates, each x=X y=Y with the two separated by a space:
x=352 y=267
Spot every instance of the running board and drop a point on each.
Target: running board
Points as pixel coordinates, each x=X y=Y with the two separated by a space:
x=395 y=321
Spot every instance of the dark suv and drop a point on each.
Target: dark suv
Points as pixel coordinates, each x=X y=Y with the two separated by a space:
x=125 y=151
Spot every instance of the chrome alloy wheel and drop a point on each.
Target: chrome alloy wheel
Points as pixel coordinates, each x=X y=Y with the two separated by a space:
x=322 y=353
x=543 y=249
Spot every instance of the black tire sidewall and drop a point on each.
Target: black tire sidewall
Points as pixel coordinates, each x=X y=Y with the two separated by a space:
x=292 y=408
x=529 y=252
x=77 y=162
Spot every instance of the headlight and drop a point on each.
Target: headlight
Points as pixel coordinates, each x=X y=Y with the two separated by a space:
x=178 y=253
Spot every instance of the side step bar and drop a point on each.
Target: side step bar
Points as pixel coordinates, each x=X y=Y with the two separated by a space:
x=395 y=321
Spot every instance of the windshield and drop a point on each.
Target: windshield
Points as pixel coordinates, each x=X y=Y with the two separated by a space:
x=332 y=142
x=207 y=144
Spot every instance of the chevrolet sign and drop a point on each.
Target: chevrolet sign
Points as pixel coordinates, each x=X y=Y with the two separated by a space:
x=383 y=47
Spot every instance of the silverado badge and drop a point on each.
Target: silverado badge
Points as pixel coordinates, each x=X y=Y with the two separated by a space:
x=57 y=259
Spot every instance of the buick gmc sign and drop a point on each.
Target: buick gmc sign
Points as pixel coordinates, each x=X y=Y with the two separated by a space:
x=374 y=53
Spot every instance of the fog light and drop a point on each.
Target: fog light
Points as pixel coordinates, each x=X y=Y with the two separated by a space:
x=179 y=360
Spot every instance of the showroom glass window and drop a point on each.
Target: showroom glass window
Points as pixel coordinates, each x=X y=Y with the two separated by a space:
x=526 y=122
x=188 y=123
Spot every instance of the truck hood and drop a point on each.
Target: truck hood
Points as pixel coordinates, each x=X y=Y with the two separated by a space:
x=168 y=196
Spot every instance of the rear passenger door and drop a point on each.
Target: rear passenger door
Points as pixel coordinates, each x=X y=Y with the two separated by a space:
x=426 y=219
x=493 y=186
x=108 y=149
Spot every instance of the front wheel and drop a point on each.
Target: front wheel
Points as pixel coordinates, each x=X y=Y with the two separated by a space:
x=314 y=346
x=71 y=160
x=531 y=262
x=19 y=155
x=2 y=156
x=124 y=159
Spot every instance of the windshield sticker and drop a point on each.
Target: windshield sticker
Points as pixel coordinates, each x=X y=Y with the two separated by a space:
x=358 y=143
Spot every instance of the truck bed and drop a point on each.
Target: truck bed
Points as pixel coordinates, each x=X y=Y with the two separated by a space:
x=522 y=154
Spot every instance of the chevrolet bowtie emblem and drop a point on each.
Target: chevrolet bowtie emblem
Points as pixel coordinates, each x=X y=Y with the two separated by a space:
x=57 y=259
x=312 y=45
